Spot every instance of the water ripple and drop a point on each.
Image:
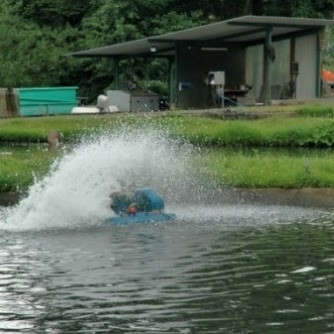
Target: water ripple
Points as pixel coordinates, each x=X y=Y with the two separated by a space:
x=179 y=278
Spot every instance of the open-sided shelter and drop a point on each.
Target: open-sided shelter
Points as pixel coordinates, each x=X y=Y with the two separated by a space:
x=269 y=57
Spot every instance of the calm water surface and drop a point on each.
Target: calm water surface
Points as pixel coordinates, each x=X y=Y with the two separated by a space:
x=241 y=269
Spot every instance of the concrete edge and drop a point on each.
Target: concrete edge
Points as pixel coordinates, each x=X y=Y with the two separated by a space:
x=305 y=197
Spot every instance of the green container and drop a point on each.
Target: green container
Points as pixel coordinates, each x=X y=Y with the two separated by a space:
x=47 y=100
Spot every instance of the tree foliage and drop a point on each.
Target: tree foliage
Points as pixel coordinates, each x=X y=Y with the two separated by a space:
x=36 y=35
x=56 y=13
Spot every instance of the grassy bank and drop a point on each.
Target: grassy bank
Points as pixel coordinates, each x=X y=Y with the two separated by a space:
x=276 y=131
x=271 y=168
x=231 y=150
x=19 y=166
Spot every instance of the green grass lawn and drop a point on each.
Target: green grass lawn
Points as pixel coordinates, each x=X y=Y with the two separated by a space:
x=232 y=151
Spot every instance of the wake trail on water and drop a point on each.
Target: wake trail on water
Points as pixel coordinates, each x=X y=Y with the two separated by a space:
x=76 y=192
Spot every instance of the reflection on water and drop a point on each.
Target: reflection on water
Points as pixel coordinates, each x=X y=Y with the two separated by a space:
x=255 y=273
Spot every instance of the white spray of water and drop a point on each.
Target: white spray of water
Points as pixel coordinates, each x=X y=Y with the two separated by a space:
x=76 y=191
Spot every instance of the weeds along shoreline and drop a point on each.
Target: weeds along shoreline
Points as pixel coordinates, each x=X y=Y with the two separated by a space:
x=290 y=149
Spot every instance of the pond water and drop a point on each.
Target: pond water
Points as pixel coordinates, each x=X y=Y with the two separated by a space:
x=237 y=269
x=219 y=268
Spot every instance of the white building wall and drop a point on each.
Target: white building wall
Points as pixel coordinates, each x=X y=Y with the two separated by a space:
x=306 y=57
x=254 y=69
x=280 y=68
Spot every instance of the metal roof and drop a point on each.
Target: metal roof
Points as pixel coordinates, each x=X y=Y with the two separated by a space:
x=238 y=31
x=136 y=48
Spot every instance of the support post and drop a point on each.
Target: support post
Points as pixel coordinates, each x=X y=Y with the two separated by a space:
x=267 y=67
x=319 y=63
x=293 y=68
x=116 y=72
x=171 y=85
x=177 y=74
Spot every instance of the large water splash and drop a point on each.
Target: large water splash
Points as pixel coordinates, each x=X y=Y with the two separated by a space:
x=77 y=189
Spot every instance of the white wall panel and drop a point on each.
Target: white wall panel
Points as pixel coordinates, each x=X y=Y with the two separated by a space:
x=306 y=56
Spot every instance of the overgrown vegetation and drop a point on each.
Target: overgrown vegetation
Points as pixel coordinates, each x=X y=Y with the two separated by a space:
x=317 y=111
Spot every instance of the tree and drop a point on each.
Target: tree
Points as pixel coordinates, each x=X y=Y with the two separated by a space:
x=52 y=13
x=293 y=8
x=31 y=55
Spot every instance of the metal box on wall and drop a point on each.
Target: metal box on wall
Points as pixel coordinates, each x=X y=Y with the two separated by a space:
x=133 y=101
